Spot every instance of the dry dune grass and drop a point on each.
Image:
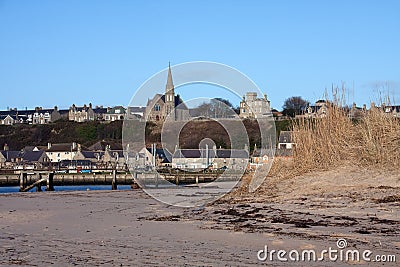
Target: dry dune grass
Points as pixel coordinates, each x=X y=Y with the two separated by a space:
x=335 y=140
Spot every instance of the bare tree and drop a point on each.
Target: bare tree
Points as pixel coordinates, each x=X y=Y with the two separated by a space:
x=294 y=105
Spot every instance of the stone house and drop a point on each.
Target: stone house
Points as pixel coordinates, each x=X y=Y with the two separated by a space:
x=35 y=159
x=12 y=158
x=81 y=114
x=318 y=110
x=44 y=116
x=167 y=105
x=253 y=107
x=204 y=158
x=36 y=116
x=114 y=158
x=115 y=114
x=95 y=157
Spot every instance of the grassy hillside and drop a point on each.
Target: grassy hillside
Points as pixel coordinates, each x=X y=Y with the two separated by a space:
x=19 y=136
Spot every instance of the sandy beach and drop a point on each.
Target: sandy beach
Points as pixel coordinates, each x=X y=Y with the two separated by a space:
x=128 y=228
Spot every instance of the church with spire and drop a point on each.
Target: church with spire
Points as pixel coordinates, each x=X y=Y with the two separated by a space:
x=168 y=105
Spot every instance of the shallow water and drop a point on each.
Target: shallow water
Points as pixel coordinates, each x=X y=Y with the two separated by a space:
x=15 y=189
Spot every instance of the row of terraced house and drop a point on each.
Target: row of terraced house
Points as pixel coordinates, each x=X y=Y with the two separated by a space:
x=74 y=113
x=103 y=155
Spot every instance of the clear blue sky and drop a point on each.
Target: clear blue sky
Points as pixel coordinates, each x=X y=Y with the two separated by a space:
x=64 y=52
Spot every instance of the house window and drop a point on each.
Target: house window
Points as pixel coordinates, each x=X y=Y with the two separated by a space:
x=157 y=107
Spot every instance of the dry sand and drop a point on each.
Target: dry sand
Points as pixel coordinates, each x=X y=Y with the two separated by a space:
x=121 y=228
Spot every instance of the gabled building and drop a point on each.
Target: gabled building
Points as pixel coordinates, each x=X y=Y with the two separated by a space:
x=62 y=151
x=252 y=107
x=115 y=114
x=12 y=157
x=154 y=157
x=81 y=114
x=92 y=156
x=103 y=145
x=114 y=158
x=318 y=110
x=37 y=116
x=6 y=120
x=37 y=159
x=44 y=116
x=167 y=105
x=205 y=158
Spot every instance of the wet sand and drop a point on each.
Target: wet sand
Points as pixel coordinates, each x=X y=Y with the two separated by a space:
x=128 y=228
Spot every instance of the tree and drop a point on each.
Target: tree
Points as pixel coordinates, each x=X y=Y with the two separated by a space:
x=294 y=105
x=215 y=108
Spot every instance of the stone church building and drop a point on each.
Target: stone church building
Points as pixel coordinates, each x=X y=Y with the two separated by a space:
x=167 y=105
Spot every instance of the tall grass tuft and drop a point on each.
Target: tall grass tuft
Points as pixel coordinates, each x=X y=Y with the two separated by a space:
x=336 y=139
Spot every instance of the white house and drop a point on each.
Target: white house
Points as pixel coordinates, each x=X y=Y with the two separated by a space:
x=62 y=151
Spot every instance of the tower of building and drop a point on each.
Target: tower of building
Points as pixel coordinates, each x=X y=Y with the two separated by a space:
x=169 y=96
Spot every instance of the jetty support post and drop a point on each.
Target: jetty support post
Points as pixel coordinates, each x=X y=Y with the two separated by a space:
x=39 y=186
x=49 y=182
x=114 y=185
x=22 y=181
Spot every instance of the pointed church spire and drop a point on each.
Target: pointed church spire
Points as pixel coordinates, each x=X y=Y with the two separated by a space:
x=170 y=84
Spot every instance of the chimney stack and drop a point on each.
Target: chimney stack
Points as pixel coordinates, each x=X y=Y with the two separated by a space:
x=6 y=147
x=48 y=145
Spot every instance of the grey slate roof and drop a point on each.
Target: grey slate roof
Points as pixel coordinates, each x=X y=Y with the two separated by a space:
x=92 y=154
x=32 y=156
x=179 y=104
x=101 y=146
x=28 y=156
x=62 y=147
x=10 y=155
x=219 y=153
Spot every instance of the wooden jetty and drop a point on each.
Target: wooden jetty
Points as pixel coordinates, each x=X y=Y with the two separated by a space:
x=27 y=180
